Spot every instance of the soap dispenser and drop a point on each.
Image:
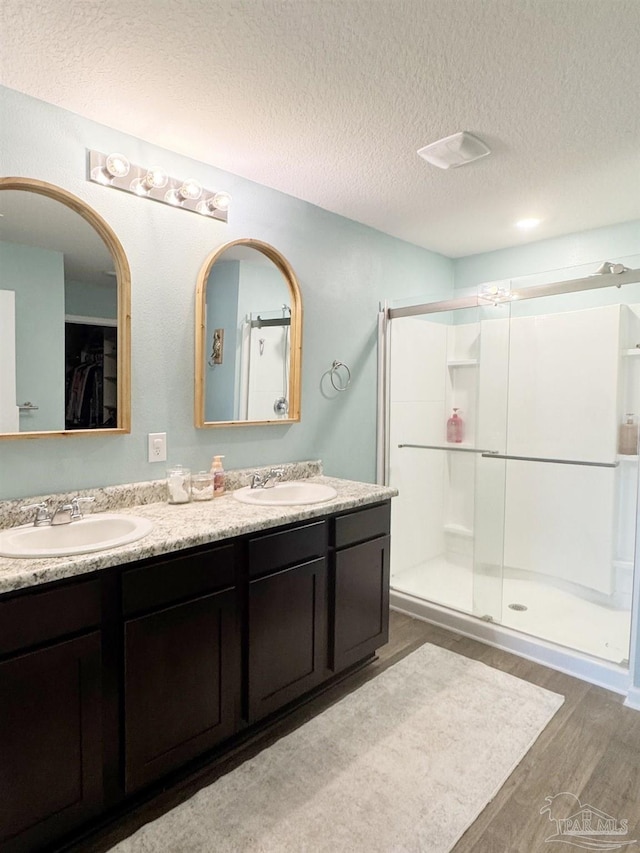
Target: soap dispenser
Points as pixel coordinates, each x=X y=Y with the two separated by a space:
x=455 y=428
x=218 y=476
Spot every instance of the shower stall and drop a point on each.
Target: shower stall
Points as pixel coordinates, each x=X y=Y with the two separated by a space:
x=516 y=516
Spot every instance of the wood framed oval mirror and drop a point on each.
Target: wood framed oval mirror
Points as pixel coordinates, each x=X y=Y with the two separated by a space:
x=65 y=297
x=248 y=337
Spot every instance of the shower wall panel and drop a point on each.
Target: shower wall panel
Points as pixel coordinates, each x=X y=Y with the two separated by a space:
x=563 y=384
x=560 y=522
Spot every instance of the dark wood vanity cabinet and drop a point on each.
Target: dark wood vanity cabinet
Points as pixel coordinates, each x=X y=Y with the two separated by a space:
x=110 y=682
x=181 y=649
x=50 y=714
x=286 y=616
x=360 y=585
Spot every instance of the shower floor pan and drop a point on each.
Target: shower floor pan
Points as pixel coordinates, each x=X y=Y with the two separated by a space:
x=556 y=624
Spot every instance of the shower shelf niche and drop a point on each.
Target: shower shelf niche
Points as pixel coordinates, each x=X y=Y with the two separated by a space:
x=459 y=530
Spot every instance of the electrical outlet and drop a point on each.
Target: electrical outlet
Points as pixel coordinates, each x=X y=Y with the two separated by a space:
x=157 y=447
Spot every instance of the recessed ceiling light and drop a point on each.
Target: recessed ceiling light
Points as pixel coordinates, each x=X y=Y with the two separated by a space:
x=453 y=151
x=527 y=224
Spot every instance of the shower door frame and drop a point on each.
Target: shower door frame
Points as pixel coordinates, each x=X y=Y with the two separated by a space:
x=573 y=662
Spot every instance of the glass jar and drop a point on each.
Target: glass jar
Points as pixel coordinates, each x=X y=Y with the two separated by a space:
x=202 y=486
x=178 y=485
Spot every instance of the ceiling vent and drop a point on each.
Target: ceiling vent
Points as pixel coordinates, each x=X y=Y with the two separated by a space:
x=454 y=151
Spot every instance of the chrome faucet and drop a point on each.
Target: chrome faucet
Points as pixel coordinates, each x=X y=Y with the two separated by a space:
x=268 y=480
x=42 y=516
x=67 y=513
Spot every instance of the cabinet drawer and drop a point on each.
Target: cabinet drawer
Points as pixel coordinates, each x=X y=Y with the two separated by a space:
x=279 y=550
x=361 y=525
x=178 y=578
x=38 y=617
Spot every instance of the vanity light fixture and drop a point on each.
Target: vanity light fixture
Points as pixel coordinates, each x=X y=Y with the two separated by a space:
x=114 y=170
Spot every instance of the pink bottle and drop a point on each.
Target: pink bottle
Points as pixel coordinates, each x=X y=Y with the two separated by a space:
x=455 y=428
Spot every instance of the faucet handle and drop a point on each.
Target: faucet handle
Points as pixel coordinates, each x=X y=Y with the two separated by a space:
x=257 y=480
x=42 y=516
x=278 y=473
x=76 y=512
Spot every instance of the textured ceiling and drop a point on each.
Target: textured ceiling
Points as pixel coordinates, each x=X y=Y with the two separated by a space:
x=329 y=100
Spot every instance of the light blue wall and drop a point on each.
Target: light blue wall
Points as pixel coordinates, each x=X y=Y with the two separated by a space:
x=344 y=270
x=37 y=277
x=613 y=243
x=91 y=300
x=262 y=289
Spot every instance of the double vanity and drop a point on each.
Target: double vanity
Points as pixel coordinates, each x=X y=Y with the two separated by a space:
x=144 y=638
x=120 y=668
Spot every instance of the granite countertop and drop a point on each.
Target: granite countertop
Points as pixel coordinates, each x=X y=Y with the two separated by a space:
x=180 y=526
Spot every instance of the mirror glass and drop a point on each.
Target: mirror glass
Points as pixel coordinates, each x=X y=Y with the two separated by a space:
x=247 y=337
x=63 y=348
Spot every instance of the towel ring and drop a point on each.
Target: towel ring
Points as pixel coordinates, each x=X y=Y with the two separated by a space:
x=334 y=375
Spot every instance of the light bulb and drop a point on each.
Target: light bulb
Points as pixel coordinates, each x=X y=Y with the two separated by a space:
x=218 y=201
x=99 y=174
x=117 y=165
x=173 y=197
x=155 y=179
x=221 y=201
x=190 y=190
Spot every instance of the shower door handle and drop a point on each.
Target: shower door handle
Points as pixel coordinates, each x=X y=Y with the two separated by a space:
x=448 y=447
x=488 y=454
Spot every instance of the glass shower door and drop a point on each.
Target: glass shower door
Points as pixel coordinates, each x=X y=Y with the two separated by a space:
x=447 y=407
x=530 y=519
x=570 y=496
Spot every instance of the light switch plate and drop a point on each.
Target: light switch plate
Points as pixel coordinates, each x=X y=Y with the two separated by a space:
x=157 y=447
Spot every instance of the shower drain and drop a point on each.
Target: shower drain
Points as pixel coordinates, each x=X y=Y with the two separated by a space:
x=518 y=607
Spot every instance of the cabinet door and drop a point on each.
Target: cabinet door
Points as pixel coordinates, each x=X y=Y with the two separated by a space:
x=360 y=601
x=287 y=636
x=50 y=742
x=182 y=684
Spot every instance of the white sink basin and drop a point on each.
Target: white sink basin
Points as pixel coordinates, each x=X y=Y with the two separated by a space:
x=92 y=533
x=287 y=494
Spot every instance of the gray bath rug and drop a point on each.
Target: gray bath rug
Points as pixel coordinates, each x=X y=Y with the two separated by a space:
x=402 y=765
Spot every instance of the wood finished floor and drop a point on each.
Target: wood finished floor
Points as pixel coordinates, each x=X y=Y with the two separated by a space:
x=591 y=749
